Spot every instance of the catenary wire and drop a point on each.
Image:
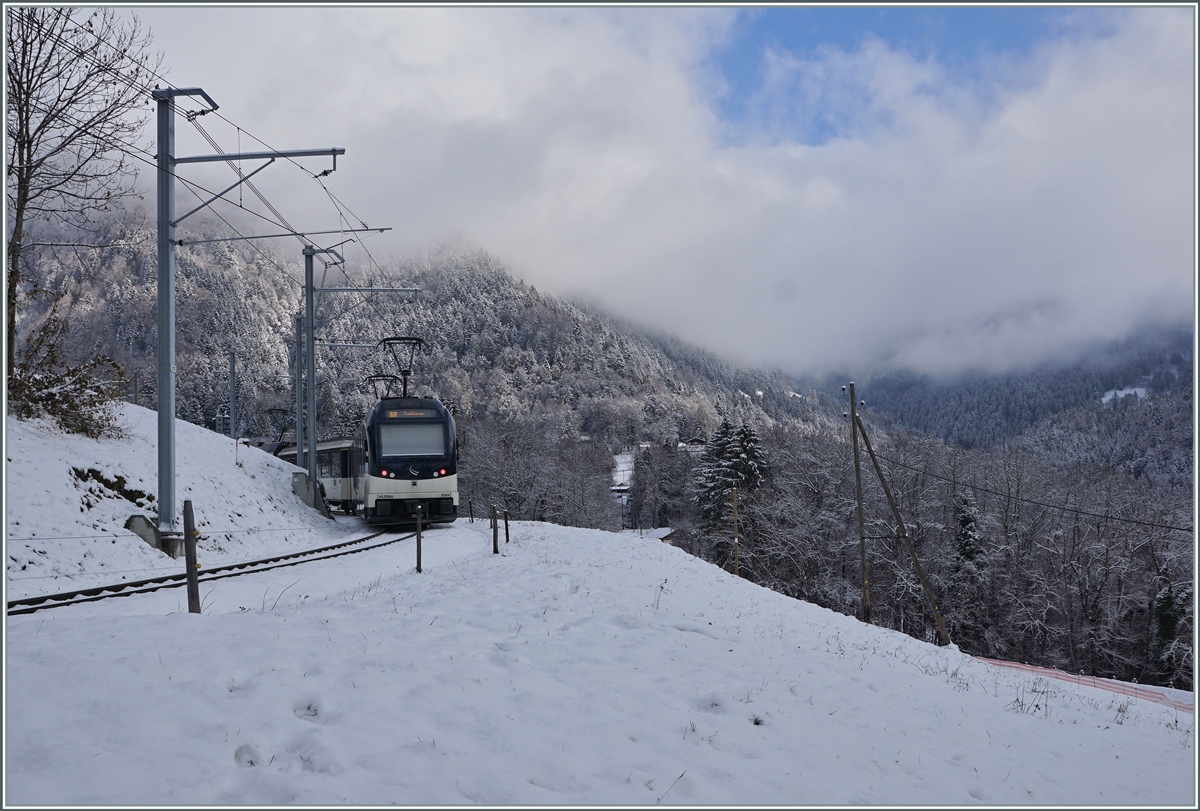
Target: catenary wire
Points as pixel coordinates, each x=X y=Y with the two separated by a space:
x=138 y=153
x=343 y=210
x=191 y=116
x=1151 y=524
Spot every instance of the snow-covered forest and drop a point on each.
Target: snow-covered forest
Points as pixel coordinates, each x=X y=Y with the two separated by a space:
x=979 y=410
x=1048 y=541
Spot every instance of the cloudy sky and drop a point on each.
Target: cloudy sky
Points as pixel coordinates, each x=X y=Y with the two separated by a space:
x=944 y=189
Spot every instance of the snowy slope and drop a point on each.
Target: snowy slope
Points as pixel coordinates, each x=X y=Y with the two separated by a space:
x=65 y=530
x=1111 y=393
x=577 y=667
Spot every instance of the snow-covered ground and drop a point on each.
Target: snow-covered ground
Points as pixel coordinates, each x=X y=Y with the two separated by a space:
x=65 y=514
x=1111 y=393
x=576 y=667
x=623 y=469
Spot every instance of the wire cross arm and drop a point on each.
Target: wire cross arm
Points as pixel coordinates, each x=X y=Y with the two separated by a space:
x=171 y=92
x=367 y=290
x=220 y=194
x=277 y=153
x=285 y=234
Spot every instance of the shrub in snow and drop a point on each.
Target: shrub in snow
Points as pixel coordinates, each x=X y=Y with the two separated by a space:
x=81 y=399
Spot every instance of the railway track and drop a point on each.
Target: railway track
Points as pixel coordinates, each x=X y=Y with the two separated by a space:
x=29 y=605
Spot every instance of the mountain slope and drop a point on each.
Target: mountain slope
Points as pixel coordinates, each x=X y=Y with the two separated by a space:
x=981 y=410
x=496 y=346
x=577 y=667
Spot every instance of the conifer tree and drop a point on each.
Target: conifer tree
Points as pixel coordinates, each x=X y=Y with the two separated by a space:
x=733 y=458
x=748 y=462
x=968 y=541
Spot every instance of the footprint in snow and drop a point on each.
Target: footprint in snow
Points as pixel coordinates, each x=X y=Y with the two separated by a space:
x=247 y=756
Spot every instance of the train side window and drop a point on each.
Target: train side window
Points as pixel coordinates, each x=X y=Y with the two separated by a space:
x=329 y=464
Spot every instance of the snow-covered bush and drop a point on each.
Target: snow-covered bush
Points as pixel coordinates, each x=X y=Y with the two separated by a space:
x=81 y=398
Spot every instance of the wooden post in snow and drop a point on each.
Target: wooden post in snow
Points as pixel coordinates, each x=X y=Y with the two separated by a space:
x=418 y=538
x=189 y=556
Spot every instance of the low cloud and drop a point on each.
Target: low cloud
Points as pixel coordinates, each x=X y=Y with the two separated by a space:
x=871 y=208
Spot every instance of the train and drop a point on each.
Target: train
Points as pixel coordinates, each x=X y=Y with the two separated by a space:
x=333 y=471
x=403 y=455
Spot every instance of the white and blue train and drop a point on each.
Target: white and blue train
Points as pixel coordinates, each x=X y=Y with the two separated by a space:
x=403 y=455
x=333 y=471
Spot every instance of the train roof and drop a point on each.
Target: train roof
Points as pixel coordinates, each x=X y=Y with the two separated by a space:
x=411 y=402
x=326 y=445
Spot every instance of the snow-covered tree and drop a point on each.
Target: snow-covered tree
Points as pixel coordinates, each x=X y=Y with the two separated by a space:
x=733 y=458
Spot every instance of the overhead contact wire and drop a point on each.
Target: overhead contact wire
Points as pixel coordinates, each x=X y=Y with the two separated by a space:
x=1151 y=524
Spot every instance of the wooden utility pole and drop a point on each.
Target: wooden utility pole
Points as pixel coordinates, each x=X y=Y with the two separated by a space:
x=937 y=616
x=735 y=535
x=862 y=531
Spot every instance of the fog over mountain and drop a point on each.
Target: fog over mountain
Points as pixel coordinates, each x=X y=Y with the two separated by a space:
x=866 y=206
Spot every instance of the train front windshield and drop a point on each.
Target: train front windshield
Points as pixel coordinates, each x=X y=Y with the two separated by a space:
x=412 y=439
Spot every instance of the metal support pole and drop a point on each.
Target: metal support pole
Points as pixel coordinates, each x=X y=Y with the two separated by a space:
x=311 y=362
x=495 y=532
x=862 y=532
x=506 y=526
x=166 y=311
x=937 y=615
x=189 y=556
x=232 y=396
x=165 y=99
x=299 y=391
x=418 y=538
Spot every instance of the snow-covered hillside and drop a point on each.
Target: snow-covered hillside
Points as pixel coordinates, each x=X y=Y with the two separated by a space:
x=576 y=667
x=68 y=498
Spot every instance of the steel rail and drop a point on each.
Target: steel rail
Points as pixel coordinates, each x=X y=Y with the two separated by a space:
x=160 y=586
x=23 y=605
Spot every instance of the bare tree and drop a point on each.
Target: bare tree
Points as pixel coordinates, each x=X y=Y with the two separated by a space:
x=75 y=84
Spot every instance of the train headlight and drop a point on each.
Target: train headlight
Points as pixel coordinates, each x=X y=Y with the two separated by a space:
x=392 y=476
x=443 y=471
x=383 y=473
